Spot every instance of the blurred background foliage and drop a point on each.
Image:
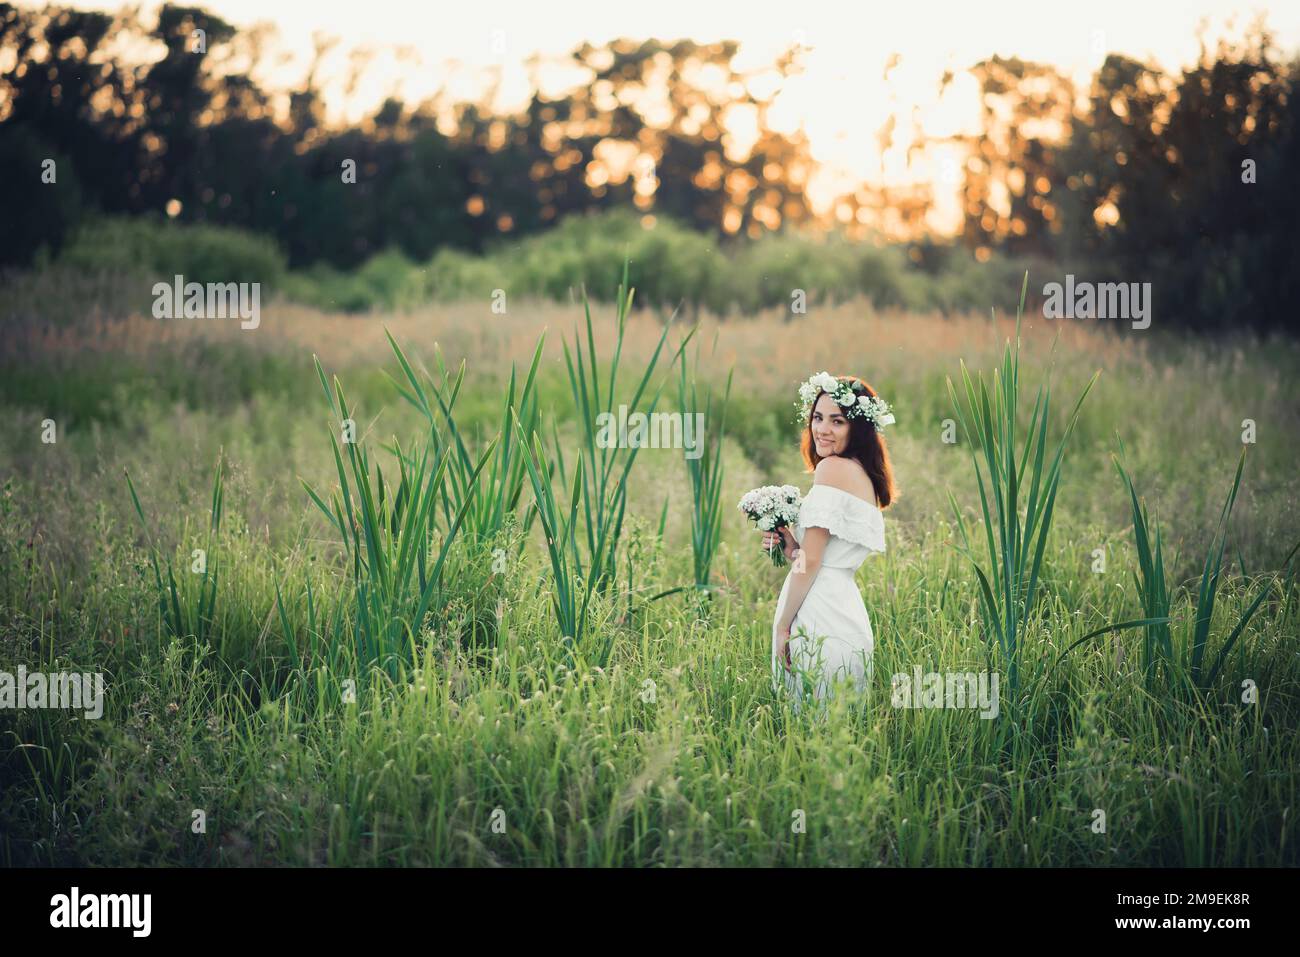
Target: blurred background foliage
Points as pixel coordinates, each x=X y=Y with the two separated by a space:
x=185 y=164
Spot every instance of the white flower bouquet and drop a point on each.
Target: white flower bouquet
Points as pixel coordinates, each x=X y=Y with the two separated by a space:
x=771 y=508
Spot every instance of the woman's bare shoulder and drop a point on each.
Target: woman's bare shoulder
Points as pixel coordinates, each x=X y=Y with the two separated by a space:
x=845 y=474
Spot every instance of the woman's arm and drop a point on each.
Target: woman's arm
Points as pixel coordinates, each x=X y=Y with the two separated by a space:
x=814 y=546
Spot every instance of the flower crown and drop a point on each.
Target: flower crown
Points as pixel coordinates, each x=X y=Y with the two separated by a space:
x=855 y=405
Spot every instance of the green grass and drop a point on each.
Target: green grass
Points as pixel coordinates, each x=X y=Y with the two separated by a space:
x=658 y=740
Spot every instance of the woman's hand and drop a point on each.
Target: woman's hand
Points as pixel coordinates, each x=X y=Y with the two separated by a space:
x=783 y=648
x=784 y=541
x=791 y=546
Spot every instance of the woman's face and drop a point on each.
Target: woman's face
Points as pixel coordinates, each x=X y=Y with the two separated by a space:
x=830 y=429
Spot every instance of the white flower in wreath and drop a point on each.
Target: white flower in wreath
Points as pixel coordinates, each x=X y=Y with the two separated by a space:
x=824 y=382
x=856 y=406
x=876 y=409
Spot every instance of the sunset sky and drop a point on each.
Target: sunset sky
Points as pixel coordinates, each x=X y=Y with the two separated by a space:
x=842 y=99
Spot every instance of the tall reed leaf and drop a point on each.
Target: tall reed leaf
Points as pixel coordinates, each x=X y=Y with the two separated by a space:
x=1152 y=587
x=1181 y=663
x=705 y=471
x=390 y=537
x=503 y=482
x=1015 y=525
x=1209 y=589
x=603 y=486
x=571 y=590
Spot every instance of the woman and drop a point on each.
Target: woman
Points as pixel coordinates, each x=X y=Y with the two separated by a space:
x=821 y=633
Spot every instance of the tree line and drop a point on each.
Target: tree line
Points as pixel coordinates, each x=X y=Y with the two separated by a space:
x=1181 y=180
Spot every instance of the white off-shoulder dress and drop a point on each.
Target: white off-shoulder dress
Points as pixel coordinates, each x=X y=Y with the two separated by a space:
x=831 y=637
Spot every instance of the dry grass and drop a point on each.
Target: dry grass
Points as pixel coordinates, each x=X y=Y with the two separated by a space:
x=1178 y=403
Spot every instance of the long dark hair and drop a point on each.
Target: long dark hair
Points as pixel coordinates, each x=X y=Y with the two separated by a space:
x=866 y=444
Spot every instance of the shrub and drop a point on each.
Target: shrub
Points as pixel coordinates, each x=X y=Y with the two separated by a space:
x=200 y=253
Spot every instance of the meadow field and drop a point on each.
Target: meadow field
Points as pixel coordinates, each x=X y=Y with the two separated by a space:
x=382 y=678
